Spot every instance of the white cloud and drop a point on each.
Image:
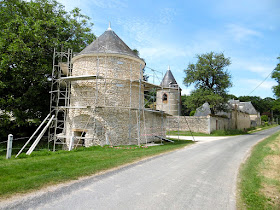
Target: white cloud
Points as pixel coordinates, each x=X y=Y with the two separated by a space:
x=267 y=85
x=240 y=33
x=260 y=66
x=264 y=70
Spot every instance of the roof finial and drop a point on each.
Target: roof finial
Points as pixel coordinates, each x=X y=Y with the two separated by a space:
x=109 y=28
x=168 y=68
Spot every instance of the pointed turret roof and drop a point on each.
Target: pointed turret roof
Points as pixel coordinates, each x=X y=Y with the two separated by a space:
x=168 y=79
x=108 y=42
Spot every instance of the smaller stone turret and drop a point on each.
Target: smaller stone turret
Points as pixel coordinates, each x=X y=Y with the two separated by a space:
x=169 y=97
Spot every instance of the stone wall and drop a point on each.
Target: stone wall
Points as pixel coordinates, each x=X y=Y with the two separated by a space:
x=173 y=103
x=255 y=120
x=116 y=89
x=108 y=67
x=113 y=126
x=219 y=123
x=240 y=120
x=186 y=123
x=207 y=124
x=106 y=110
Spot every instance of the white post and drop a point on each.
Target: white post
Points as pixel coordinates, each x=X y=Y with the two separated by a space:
x=107 y=139
x=71 y=143
x=9 y=146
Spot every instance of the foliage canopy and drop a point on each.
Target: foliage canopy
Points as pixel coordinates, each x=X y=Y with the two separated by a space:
x=29 y=33
x=211 y=81
x=276 y=75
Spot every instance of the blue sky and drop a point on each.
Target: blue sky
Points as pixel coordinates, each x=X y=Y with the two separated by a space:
x=174 y=32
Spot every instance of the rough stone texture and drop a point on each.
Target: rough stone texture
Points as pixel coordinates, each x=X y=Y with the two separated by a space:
x=186 y=123
x=207 y=124
x=218 y=123
x=255 y=120
x=172 y=105
x=240 y=120
x=106 y=111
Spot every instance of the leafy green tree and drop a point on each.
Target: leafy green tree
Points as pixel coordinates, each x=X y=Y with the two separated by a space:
x=231 y=96
x=276 y=75
x=150 y=98
x=261 y=105
x=29 y=33
x=186 y=110
x=264 y=118
x=211 y=80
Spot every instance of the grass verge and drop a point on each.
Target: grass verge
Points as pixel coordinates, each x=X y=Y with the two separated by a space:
x=221 y=132
x=44 y=168
x=259 y=176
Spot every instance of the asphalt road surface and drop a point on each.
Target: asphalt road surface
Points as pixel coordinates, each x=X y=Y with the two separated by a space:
x=201 y=176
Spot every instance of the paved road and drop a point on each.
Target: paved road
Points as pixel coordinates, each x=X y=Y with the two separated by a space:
x=202 y=176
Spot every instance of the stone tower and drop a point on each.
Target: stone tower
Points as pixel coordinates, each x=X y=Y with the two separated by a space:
x=169 y=97
x=106 y=93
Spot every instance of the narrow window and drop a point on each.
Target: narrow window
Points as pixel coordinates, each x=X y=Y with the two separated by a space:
x=164 y=98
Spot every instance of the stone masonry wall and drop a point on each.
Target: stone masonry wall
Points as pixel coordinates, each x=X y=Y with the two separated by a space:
x=173 y=103
x=106 y=110
x=207 y=124
x=115 y=126
x=186 y=123
x=240 y=120
x=219 y=123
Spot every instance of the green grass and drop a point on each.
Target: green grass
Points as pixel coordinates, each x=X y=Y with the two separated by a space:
x=262 y=127
x=221 y=132
x=251 y=179
x=44 y=168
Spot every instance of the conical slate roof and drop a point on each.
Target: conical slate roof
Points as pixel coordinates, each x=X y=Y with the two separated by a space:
x=108 y=42
x=168 y=79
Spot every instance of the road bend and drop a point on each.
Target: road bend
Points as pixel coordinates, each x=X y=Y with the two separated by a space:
x=201 y=176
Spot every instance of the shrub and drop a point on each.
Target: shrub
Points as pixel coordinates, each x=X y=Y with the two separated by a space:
x=264 y=118
x=192 y=113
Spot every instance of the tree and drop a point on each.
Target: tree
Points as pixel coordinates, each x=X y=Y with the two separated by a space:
x=29 y=33
x=261 y=105
x=276 y=75
x=185 y=108
x=211 y=81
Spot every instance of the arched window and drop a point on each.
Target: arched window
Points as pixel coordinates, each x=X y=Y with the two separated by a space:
x=164 y=98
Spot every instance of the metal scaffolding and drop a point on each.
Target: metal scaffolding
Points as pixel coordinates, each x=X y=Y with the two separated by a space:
x=59 y=94
x=64 y=92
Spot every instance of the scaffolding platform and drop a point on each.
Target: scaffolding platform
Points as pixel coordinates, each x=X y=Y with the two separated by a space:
x=83 y=77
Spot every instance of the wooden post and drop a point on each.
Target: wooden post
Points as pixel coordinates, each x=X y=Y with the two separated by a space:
x=9 y=146
x=39 y=137
x=33 y=135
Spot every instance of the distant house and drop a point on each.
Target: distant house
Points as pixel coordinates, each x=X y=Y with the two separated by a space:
x=242 y=115
x=248 y=107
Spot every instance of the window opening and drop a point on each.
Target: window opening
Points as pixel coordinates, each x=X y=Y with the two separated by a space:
x=164 y=98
